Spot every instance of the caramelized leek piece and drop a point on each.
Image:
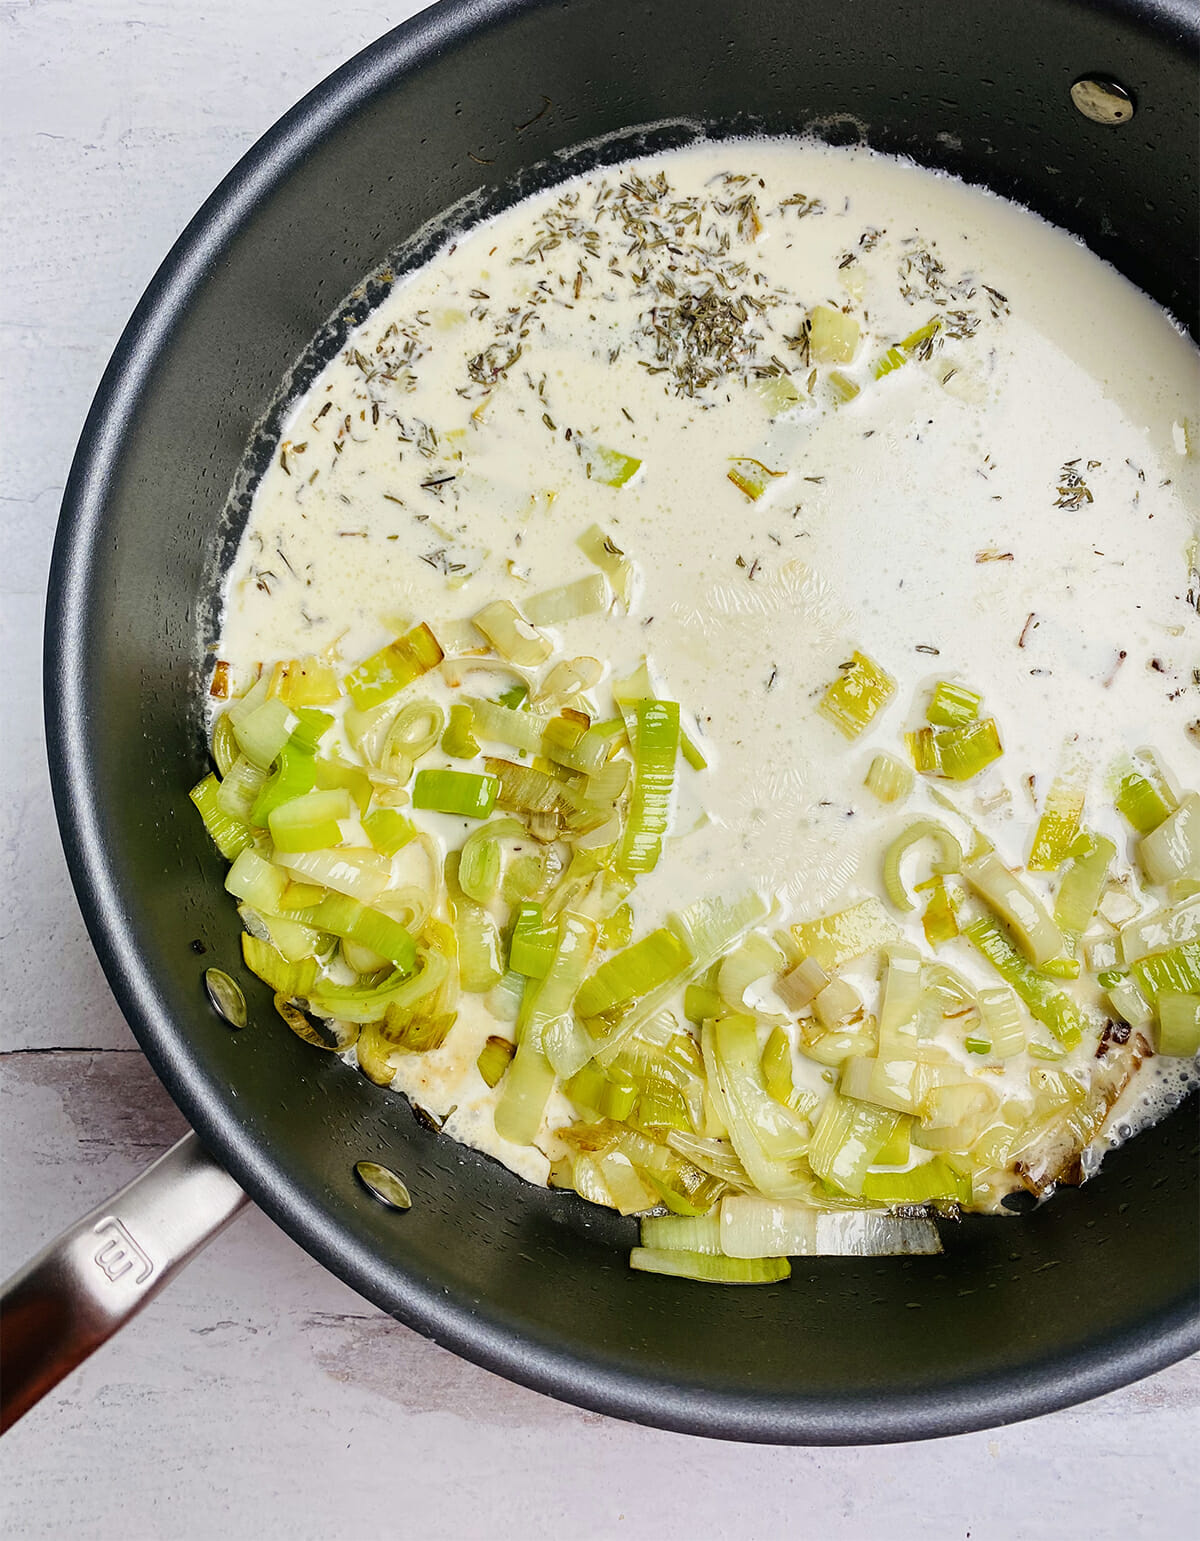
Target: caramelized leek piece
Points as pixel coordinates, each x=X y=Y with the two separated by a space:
x=460 y=792
x=964 y=752
x=707 y=1269
x=889 y=778
x=494 y=1059
x=381 y=676
x=951 y=705
x=1018 y=906
x=1178 y=1023
x=1050 y=1006
x=230 y=836
x=750 y=476
x=857 y=695
x=655 y=747
x=832 y=336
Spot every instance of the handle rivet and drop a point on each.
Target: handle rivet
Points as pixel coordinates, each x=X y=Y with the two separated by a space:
x=384 y=1184
x=1102 y=100
x=226 y=996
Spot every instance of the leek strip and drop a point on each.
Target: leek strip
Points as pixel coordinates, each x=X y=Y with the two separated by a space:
x=295 y=774
x=706 y=1269
x=479 y=865
x=743 y=965
x=361 y=874
x=778 y=1132
x=951 y=705
x=603 y=1094
x=900 y=998
x=1143 y=794
x=751 y=477
x=387 y=830
x=659 y=958
x=547 y=1019
x=934 y=1182
x=369 y=1003
x=1058 y=826
x=847 y=1139
x=843 y=387
x=224 y=745
x=262 y=732
x=354 y=922
x=766 y=1173
x=257 y=881
x=683 y=1233
x=754 y=1227
x=617 y=930
x=777 y=1067
x=1178 y=1023
x=289 y=937
x=335 y=772
x=1083 y=882
x=838 y=1004
x=240 y=788
x=940 y=920
x=801 y=985
x=459 y=792
x=1171 y=851
x=521 y=729
x=964 y=752
x=655 y=747
x=701 y=1003
x=311 y=727
x=230 y=836
x=416 y=729
x=923 y=750
x=892 y=360
x=533 y=944
x=923 y=829
x=480 y=963
x=1176 y=969
x=512 y=635
x=309 y=823
x=1017 y=905
x=569 y=601
x=284 y=978
x=459 y=741
x=837 y=939
x=1050 y=1006
x=494 y=1059
x=610 y=559
x=1000 y=1014
x=857 y=695
x=889 y=778
x=381 y=676
x=898 y=1150
x=1159 y=931
x=527 y=1088
x=610 y=466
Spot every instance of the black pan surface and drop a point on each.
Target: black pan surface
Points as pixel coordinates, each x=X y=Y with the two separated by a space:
x=486 y=101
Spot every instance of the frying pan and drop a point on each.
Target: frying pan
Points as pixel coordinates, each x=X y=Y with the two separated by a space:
x=471 y=105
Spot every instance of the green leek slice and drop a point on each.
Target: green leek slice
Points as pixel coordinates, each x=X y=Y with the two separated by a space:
x=655 y=747
x=465 y=793
x=1178 y=1023
x=381 y=676
x=494 y=1059
x=847 y=1140
x=284 y=978
x=311 y=822
x=354 y=922
x=230 y=836
x=610 y=466
x=1083 y=882
x=964 y=752
x=835 y=940
x=952 y=706
x=610 y=559
x=660 y=958
x=857 y=695
x=923 y=829
x=1171 y=851
x=1058 y=826
x=1143 y=794
x=1178 y=969
x=706 y=1269
x=459 y=741
x=584 y=596
x=1050 y=1006
x=1018 y=906
x=388 y=830
x=533 y=944
x=889 y=778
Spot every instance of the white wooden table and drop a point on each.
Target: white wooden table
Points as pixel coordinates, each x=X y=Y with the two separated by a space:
x=259 y=1397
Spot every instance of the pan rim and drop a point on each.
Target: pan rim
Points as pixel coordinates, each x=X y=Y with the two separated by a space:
x=1012 y=1395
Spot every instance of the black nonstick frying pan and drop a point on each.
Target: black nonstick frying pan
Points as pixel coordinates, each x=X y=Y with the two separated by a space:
x=1086 y=110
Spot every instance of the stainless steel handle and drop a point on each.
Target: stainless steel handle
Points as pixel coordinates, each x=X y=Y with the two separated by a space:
x=101 y=1271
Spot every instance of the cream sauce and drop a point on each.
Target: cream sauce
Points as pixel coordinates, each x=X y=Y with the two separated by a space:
x=1014 y=512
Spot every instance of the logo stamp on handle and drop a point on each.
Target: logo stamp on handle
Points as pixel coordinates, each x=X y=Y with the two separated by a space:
x=118 y=1253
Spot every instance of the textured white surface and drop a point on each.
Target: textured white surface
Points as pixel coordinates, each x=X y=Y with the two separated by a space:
x=259 y=1397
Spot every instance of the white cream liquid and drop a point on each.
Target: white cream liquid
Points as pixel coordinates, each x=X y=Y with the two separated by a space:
x=918 y=523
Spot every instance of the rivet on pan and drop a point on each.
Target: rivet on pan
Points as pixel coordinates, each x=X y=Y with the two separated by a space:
x=226 y=996
x=1102 y=100
x=384 y=1184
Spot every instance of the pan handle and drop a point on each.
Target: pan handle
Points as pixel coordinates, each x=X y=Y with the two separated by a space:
x=102 y=1270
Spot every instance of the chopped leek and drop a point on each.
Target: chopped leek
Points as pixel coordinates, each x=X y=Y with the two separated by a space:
x=893 y=359
x=1178 y=1023
x=707 y=1269
x=1001 y=1017
x=361 y=874
x=834 y=940
x=387 y=830
x=294 y=775
x=394 y=994
x=847 y=1139
x=554 y=606
x=354 y=922
x=1058 y=826
x=262 y=731
x=940 y=920
x=1177 y=968
x=479 y=865
x=952 y=857
x=336 y=772
x=512 y=635
x=800 y=985
x=750 y=476
x=610 y=466
x=752 y=1227
x=527 y=1088
x=655 y=747
x=547 y=1020
x=1017 y=905
x=284 y=978
x=459 y=741
x=230 y=836
x=311 y=822
x=844 y=388
x=951 y=705
x=889 y=778
x=239 y=789
x=461 y=792
x=1143 y=794
x=610 y=559
x=964 y=752
x=832 y=336
x=1050 y=1006
x=381 y=676
x=683 y=1233
x=257 y=881
x=494 y=1059
x=857 y=695
x=934 y=1182
x=1171 y=851
x=533 y=943
x=1082 y=884
x=658 y=959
